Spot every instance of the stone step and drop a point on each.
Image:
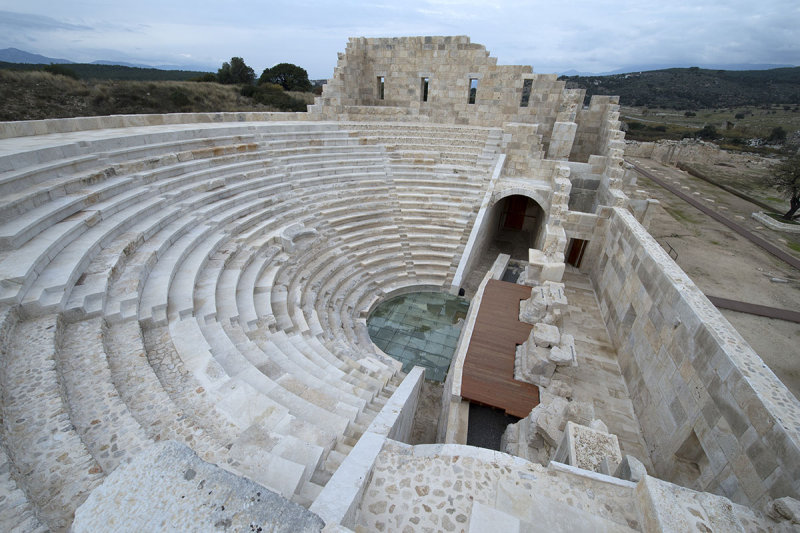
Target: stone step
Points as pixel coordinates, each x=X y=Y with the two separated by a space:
x=149 y=402
x=98 y=413
x=57 y=474
x=16 y=512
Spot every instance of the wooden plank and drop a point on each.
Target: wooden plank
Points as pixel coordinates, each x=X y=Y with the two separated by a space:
x=488 y=375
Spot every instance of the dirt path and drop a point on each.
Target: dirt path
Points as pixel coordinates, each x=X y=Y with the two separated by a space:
x=727 y=265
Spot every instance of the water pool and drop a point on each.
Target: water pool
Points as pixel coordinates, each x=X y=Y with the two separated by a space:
x=419 y=328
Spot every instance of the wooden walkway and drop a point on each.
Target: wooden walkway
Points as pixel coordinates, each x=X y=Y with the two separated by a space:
x=488 y=376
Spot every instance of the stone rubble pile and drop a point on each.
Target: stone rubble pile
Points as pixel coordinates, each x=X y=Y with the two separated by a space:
x=546 y=348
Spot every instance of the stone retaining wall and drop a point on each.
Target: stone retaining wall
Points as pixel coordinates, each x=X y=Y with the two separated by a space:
x=714 y=416
x=691 y=150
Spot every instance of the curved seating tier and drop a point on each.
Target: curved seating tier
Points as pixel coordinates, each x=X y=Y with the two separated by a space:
x=209 y=283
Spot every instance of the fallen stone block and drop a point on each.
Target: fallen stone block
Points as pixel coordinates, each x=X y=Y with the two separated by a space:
x=630 y=469
x=545 y=335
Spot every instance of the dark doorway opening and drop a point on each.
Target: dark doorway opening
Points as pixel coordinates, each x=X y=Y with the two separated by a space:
x=575 y=251
x=486 y=426
x=515 y=212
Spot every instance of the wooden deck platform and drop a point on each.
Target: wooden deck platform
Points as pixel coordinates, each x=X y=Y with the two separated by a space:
x=488 y=376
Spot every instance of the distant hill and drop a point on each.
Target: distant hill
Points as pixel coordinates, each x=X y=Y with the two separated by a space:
x=15 y=55
x=89 y=71
x=695 y=88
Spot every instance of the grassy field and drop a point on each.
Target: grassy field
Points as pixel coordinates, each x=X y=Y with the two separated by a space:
x=31 y=95
x=735 y=126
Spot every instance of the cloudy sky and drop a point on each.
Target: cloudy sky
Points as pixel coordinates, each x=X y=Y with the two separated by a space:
x=553 y=36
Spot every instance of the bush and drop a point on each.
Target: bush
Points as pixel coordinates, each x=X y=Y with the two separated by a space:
x=61 y=70
x=708 y=132
x=690 y=114
x=636 y=126
x=739 y=116
x=274 y=96
x=179 y=98
x=777 y=136
x=205 y=78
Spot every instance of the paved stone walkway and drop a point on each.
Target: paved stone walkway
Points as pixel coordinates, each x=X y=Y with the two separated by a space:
x=598 y=379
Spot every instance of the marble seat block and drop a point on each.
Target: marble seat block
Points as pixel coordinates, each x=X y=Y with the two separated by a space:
x=586 y=448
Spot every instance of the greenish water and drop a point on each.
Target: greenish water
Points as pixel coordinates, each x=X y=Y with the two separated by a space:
x=419 y=328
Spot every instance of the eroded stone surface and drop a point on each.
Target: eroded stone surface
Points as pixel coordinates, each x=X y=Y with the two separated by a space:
x=167 y=487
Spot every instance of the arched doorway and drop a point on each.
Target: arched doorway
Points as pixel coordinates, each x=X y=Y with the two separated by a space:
x=517 y=226
x=511 y=225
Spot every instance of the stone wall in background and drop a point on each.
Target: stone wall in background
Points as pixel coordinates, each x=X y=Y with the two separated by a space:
x=693 y=150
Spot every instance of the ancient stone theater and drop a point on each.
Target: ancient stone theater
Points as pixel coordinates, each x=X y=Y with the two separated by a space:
x=233 y=321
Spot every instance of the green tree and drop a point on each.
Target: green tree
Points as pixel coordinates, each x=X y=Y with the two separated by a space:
x=290 y=77
x=236 y=72
x=777 y=136
x=61 y=70
x=708 y=132
x=786 y=180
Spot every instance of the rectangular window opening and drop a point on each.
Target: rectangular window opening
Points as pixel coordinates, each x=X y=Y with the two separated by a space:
x=473 y=89
x=526 y=92
x=381 y=85
x=424 y=89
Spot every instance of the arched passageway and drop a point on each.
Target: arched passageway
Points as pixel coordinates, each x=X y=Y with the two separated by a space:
x=512 y=225
x=516 y=225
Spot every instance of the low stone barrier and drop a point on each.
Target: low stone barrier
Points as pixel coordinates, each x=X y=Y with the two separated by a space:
x=339 y=500
x=771 y=223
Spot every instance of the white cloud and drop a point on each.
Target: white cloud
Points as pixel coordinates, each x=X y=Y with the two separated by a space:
x=578 y=34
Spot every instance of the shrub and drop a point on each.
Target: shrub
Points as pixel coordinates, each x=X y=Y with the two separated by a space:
x=708 y=132
x=274 y=96
x=777 y=136
x=61 y=70
x=205 y=78
x=739 y=116
x=179 y=98
x=690 y=114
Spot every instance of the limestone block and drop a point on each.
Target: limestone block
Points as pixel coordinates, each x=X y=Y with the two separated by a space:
x=533 y=309
x=578 y=412
x=550 y=421
x=598 y=425
x=532 y=364
x=564 y=354
x=630 y=469
x=545 y=335
x=586 y=448
x=785 y=509
x=560 y=388
x=143 y=495
x=552 y=272
x=671 y=508
x=548 y=297
x=559 y=356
